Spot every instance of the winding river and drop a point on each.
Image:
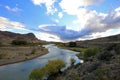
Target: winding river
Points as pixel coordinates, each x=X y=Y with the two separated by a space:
x=21 y=71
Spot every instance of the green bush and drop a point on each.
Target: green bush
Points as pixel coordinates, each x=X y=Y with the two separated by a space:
x=1 y=56
x=117 y=48
x=90 y=52
x=101 y=73
x=0 y=44
x=53 y=67
x=106 y=55
x=19 y=42
x=36 y=75
x=72 y=61
x=72 y=44
x=33 y=51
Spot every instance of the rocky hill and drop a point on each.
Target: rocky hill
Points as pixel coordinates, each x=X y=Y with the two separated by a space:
x=103 y=65
x=99 y=41
x=114 y=38
x=94 y=69
x=6 y=37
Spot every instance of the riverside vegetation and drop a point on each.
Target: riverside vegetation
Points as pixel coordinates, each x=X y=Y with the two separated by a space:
x=20 y=50
x=101 y=57
x=15 y=47
x=101 y=63
x=50 y=69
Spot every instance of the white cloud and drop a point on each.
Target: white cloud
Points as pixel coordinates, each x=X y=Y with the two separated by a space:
x=90 y=2
x=44 y=25
x=101 y=34
x=94 y=21
x=8 y=24
x=56 y=21
x=94 y=25
x=60 y=15
x=106 y=33
x=117 y=10
x=100 y=22
x=48 y=3
x=77 y=8
x=72 y=6
x=15 y=9
x=47 y=37
x=62 y=32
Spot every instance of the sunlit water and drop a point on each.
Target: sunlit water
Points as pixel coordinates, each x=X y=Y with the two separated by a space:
x=21 y=71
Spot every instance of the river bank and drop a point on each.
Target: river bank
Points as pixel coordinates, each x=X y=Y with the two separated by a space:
x=104 y=65
x=10 y=55
x=21 y=71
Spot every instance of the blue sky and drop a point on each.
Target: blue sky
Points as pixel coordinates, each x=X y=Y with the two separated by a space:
x=61 y=20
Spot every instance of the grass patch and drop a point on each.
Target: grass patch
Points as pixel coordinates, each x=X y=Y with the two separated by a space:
x=90 y=52
x=101 y=73
x=33 y=51
x=51 y=68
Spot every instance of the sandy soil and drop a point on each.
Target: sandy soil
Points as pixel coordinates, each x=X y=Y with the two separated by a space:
x=10 y=55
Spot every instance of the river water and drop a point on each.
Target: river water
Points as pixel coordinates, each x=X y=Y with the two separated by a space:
x=21 y=71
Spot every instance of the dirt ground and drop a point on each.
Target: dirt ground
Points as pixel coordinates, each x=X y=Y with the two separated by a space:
x=9 y=55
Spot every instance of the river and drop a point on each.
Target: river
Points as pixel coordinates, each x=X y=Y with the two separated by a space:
x=21 y=71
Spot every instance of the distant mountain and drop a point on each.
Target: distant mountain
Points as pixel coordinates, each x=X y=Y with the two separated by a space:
x=99 y=41
x=114 y=38
x=7 y=37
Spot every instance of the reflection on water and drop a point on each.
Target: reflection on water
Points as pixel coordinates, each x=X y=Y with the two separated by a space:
x=21 y=71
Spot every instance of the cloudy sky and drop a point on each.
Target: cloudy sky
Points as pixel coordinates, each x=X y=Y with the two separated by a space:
x=61 y=20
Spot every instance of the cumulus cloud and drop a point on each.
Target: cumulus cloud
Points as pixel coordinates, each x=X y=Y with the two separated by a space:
x=62 y=32
x=91 y=23
x=15 y=9
x=72 y=6
x=89 y=2
x=69 y=6
x=77 y=8
x=101 y=23
x=47 y=37
x=60 y=15
x=95 y=23
x=5 y=24
x=48 y=3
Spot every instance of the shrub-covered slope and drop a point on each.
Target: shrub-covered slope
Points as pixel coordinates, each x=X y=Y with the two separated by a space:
x=105 y=65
